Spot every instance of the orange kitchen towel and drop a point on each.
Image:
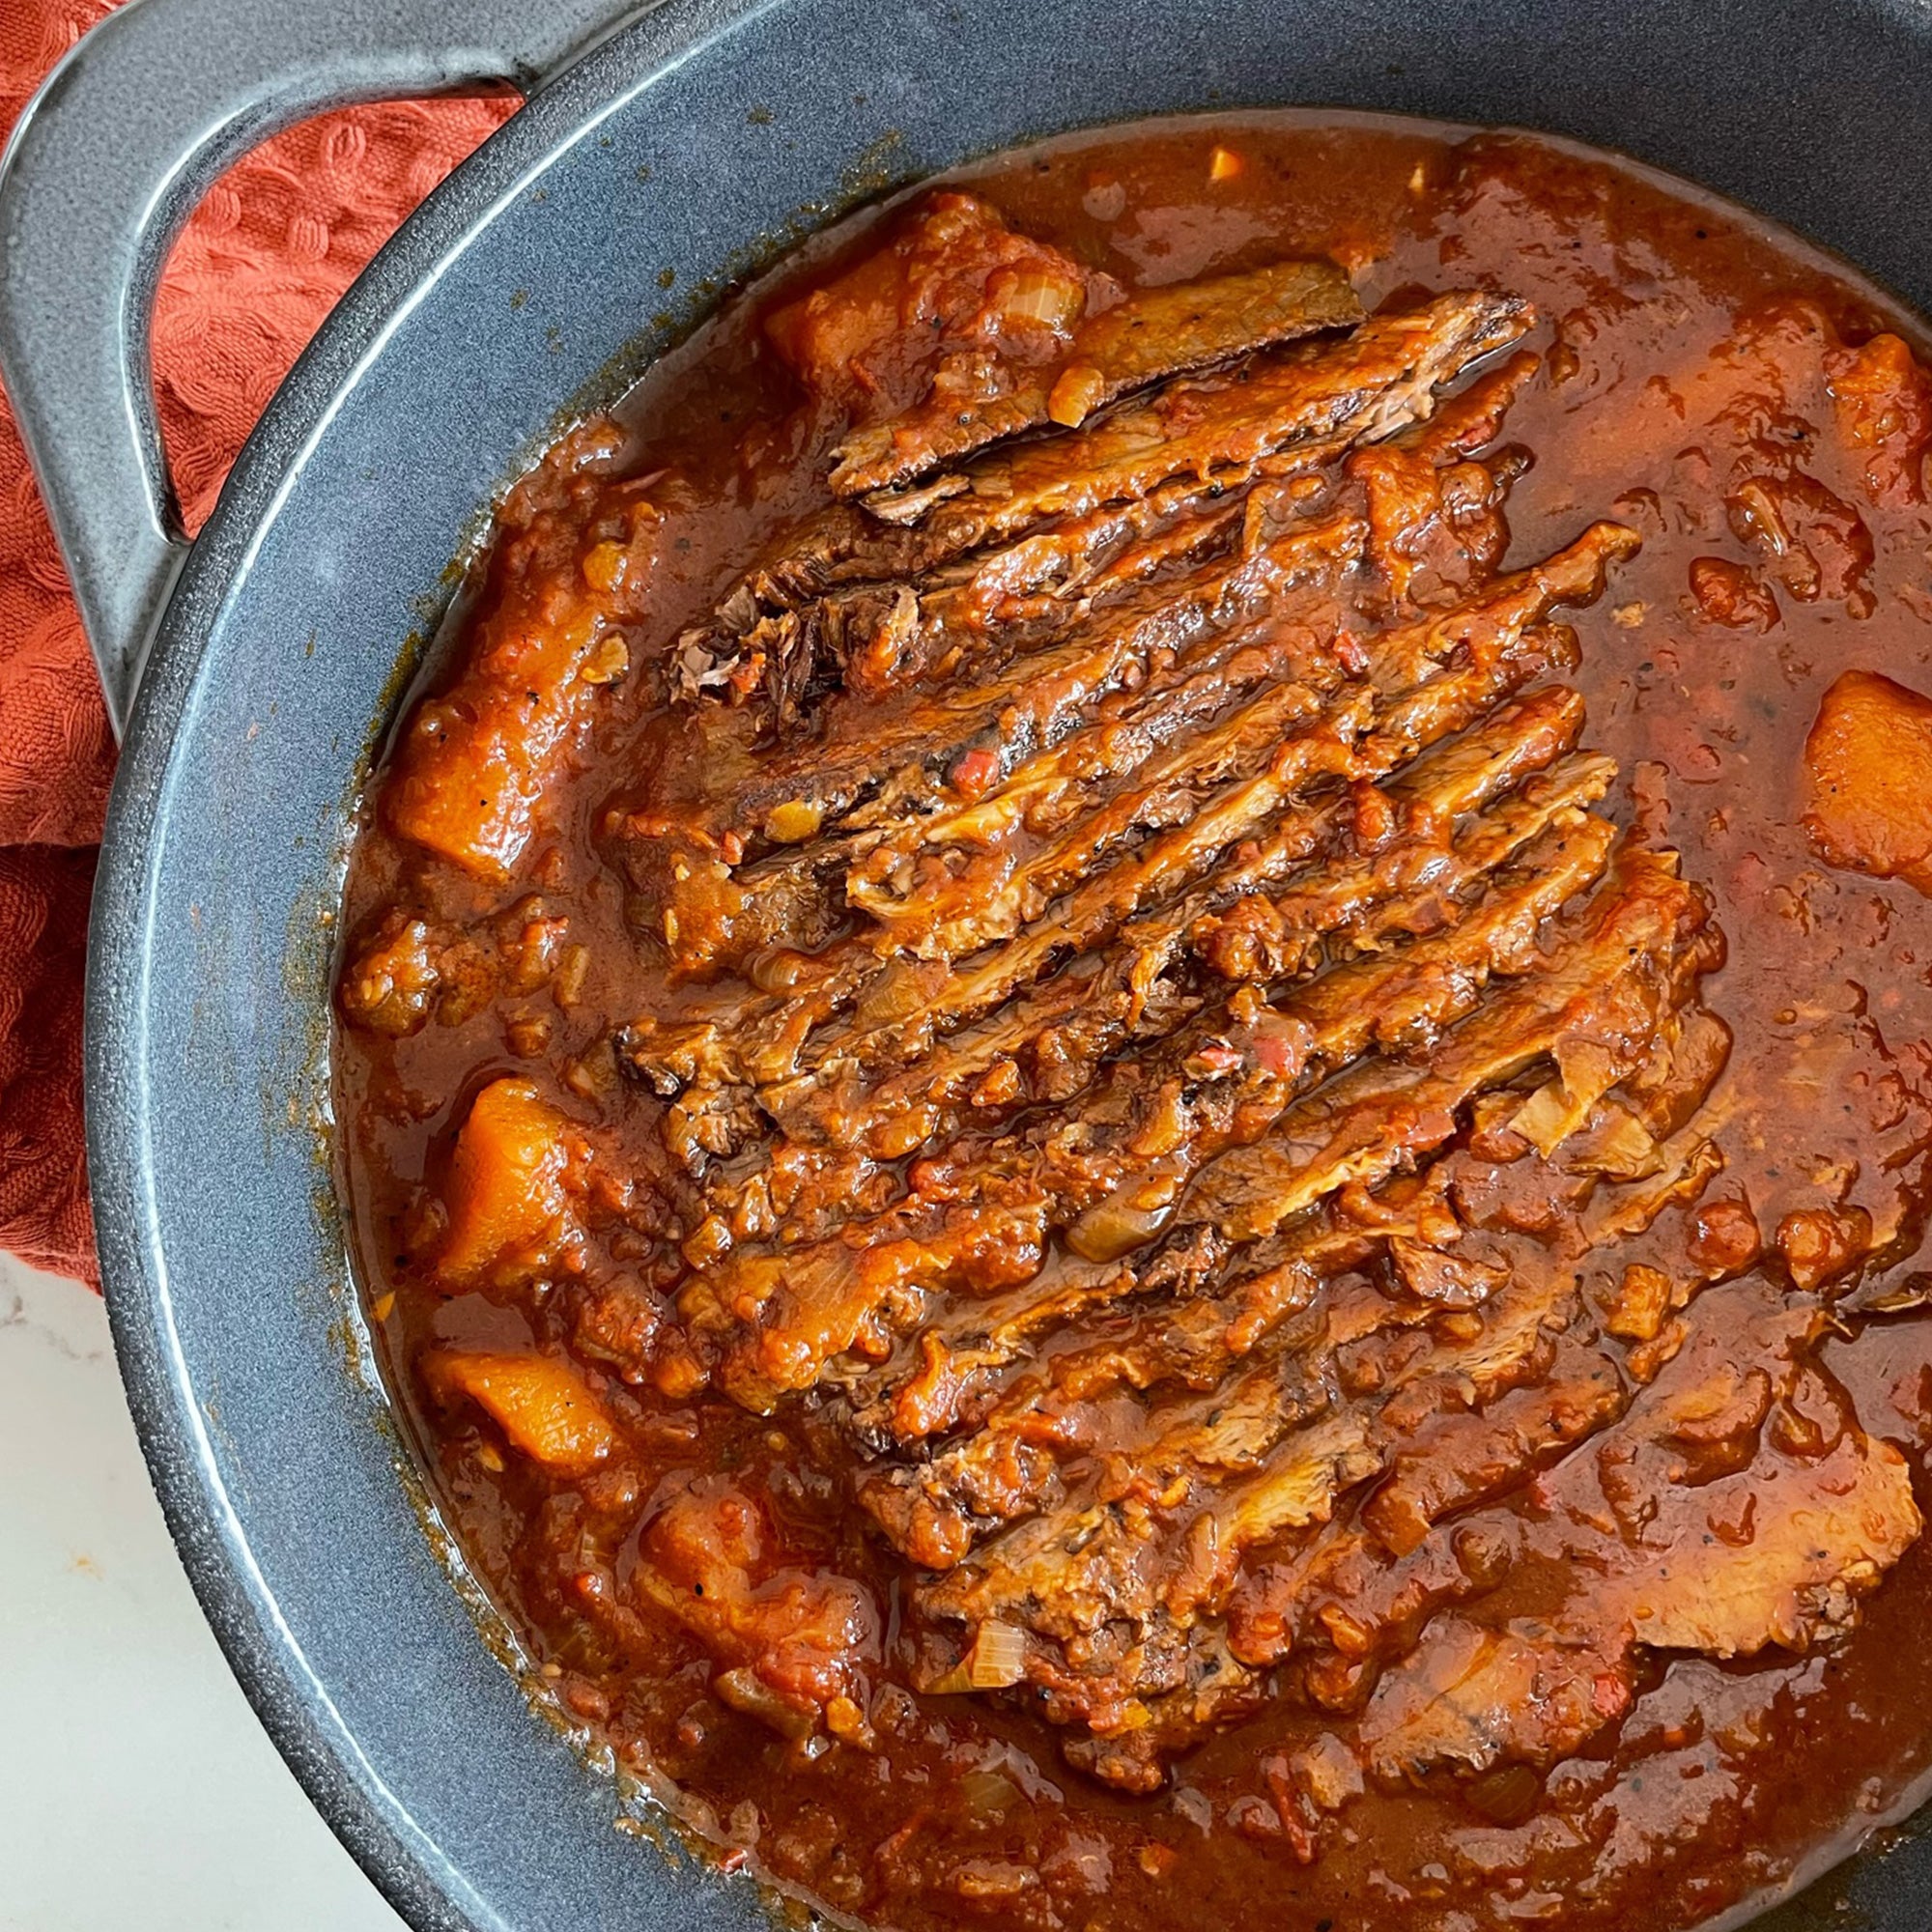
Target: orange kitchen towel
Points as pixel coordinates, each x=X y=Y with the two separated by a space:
x=266 y=255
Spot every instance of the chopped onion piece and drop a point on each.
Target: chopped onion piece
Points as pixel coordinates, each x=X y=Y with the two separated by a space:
x=988 y=1794
x=998 y=1656
x=1625 y=1151
x=1544 y=1120
x=1033 y=295
x=1115 y=1227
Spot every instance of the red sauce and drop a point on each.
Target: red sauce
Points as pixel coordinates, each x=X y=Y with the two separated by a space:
x=698 y=1579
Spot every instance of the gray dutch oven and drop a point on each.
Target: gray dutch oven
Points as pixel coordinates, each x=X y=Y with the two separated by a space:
x=250 y=672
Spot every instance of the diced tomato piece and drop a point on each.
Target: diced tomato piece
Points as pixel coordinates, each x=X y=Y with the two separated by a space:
x=1882 y=398
x=950 y=279
x=974 y=773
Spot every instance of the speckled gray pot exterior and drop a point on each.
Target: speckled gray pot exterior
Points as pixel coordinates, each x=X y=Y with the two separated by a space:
x=694 y=136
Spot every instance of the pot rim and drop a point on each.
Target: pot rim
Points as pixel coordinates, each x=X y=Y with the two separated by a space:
x=402 y=1859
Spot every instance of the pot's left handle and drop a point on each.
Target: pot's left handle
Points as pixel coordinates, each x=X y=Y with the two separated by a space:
x=105 y=166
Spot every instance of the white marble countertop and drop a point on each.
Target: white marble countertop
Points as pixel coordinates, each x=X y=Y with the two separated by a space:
x=136 y=1788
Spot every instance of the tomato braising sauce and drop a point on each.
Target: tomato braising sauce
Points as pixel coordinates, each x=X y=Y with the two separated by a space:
x=1133 y=1048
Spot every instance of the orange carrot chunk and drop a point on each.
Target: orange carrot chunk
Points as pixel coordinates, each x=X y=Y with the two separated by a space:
x=473 y=762
x=544 y=1408
x=476 y=761
x=510 y=1197
x=1868 y=767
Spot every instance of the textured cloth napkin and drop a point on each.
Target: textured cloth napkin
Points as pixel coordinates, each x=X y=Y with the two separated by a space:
x=277 y=240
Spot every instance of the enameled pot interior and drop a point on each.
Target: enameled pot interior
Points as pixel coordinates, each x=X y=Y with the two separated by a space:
x=696 y=144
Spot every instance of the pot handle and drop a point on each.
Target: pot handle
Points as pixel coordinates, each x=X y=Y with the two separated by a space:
x=106 y=164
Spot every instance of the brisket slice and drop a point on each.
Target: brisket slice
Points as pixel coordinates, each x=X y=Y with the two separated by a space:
x=1198 y=1093
x=1241 y=1154
x=1154 y=334
x=1067 y=501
